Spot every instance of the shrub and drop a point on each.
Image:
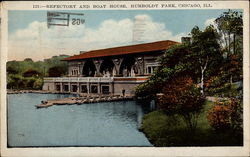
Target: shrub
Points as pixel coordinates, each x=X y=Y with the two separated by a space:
x=31 y=73
x=181 y=96
x=30 y=82
x=14 y=81
x=226 y=115
x=38 y=84
x=56 y=71
x=144 y=90
x=218 y=117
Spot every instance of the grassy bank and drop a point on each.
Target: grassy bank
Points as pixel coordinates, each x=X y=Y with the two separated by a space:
x=162 y=130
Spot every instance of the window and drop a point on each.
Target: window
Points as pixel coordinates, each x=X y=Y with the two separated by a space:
x=84 y=89
x=151 y=69
x=94 y=89
x=74 y=88
x=66 y=88
x=58 y=87
x=105 y=89
x=75 y=71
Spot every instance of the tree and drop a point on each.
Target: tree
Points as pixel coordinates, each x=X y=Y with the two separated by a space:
x=181 y=96
x=205 y=50
x=38 y=84
x=230 y=25
x=13 y=67
x=14 y=80
x=28 y=60
x=175 y=60
x=31 y=73
x=56 y=71
x=11 y=70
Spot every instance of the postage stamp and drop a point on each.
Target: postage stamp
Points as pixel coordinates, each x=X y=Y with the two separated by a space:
x=116 y=78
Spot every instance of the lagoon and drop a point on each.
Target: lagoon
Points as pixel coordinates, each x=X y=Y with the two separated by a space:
x=96 y=124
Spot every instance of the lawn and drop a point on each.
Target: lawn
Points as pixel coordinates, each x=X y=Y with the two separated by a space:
x=163 y=131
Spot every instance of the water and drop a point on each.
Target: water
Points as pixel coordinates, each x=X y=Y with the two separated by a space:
x=97 y=124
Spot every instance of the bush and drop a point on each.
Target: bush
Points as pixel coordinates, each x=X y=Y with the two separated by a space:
x=31 y=73
x=38 y=84
x=30 y=82
x=56 y=71
x=144 y=90
x=218 y=117
x=181 y=96
x=163 y=131
x=226 y=115
x=14 y=81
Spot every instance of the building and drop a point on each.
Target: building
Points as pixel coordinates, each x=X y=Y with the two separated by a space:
x=115 y=70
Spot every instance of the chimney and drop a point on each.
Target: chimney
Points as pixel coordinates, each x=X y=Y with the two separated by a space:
x=81 y=52
x=185 y=40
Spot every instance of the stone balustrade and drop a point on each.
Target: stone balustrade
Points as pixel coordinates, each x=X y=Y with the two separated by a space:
x=78 y=79
x=94 y=85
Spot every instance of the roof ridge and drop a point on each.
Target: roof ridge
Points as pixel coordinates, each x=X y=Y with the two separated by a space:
x=128 y=49
x=132 y=45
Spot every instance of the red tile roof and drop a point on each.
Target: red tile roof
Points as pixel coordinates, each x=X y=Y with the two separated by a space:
x=131 y=49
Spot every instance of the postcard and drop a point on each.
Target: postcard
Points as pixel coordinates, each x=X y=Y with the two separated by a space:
x=125 y=78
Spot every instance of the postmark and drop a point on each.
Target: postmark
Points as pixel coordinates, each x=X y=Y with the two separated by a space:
x=64 y=18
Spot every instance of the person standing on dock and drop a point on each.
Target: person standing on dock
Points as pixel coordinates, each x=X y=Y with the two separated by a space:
x=123 y=92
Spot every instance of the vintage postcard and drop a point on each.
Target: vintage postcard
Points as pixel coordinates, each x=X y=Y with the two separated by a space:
x=125 y=78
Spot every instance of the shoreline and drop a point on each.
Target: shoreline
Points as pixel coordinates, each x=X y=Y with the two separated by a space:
x=78 y=99
x=82 y=100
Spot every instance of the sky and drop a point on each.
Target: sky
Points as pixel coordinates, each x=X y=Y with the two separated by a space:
x=29 y=36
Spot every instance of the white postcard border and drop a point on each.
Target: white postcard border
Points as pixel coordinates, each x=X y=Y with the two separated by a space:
x=124 y=151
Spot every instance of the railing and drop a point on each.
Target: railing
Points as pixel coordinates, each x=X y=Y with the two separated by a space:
x=94 y=79
x=78 y=79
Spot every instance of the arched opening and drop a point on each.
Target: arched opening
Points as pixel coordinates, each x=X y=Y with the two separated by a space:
x=107 y=68
x=89 y=69
x=127 y=68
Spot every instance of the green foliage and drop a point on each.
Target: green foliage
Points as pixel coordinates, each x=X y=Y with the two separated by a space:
x=203 y=53
x=38 y=84
x=166 y=71
x=31 y=73
x=160 y=129
x=56 y=71
x=203 y=61
x=30 y=82
x=205 y=47
x=163 y=131
x=55 y=61
x=11 y=70
x=13 y=81
x=41 y=67
x=28 y=74
x=230 y=24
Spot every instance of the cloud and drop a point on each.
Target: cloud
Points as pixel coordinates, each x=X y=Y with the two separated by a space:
x=38 y=42
x=210 y=22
